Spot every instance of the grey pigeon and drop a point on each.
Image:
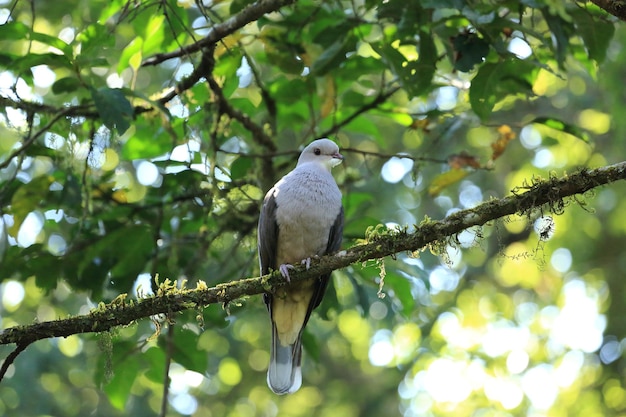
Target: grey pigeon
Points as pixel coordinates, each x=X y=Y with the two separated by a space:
x=301 y=217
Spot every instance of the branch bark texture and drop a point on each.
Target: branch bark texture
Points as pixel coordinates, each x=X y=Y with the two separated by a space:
x=548 y=194
x=615 y=7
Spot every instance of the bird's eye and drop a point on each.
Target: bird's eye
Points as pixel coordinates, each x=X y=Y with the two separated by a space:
x=317 y=151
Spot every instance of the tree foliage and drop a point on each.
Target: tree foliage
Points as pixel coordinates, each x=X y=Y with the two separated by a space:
x=138 y=138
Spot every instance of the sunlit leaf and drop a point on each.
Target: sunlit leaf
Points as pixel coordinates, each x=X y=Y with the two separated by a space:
x=147 y=141
x=54 y=42
x=132 y=49
x=13 y=31
x=27 y=198
x=154 y=35
x=562 y=126
x=445 y=180
x=497 y=80
x=94 y=40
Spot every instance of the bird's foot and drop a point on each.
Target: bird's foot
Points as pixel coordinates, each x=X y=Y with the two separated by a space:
x=284 y=271
x=307 y=262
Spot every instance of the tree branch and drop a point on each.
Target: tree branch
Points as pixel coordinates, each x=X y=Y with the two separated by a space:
x=615 y=7
x=169 y=299
x=258 y=134
x=221 y=30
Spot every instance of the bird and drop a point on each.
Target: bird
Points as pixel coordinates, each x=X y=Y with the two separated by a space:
x=301 y=218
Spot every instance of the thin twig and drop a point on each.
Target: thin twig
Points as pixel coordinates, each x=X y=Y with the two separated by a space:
x=258 y=134
x=168 y=361
x=33 y=138
x=380 y=99
x=221 y=30
x=397 y=155
x=11 y=358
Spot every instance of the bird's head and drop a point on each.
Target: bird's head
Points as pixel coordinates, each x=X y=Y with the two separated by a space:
x=321 y=151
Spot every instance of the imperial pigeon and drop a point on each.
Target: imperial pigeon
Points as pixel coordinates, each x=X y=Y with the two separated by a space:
x=301 y=217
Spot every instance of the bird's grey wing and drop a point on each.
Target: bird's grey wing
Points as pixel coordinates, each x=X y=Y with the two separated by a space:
x=284 y=373
x=335 y=236
x=268 y=238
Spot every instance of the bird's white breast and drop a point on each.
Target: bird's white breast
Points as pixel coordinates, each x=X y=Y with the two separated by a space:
x=308 y=202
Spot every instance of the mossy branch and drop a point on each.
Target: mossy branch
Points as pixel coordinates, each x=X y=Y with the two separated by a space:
x=548 y=194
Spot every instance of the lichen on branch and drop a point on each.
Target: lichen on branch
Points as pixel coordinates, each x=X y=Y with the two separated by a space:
x=545 y=194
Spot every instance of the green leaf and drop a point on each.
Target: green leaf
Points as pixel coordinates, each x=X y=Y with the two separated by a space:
x=560 y=32
x=133 y=247
x=360 y=291
x=495 y=81
x=28 y=198
x=7 y=60
x=333 y=56
x=156 y=364
x=14 y=31
x=33 y=261
x=470 y=50
x=54 y=42
x=401 y=291
x=119 y=256
x=446 y=179
x=289 y=90
x=240 y=167
x=185 y=350
x=238 y=5
x=125 y=372
x=153 y=35
x=311 y=345
x=130 y=51
x=65 y=85
x=596 y=33
x=414 y=76
x=148 y=141
x=94 y=40
x=425 y=66
x=357 y=201
x=216 y=316
x=562 y=126
x=114 y=108
x=28 y=61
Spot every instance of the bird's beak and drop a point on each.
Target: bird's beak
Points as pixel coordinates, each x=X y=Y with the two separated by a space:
x=337 y=159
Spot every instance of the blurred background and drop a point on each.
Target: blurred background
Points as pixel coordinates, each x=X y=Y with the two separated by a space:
x=109 y=176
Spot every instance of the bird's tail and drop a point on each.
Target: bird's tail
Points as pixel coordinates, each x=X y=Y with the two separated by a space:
x=284 y=375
